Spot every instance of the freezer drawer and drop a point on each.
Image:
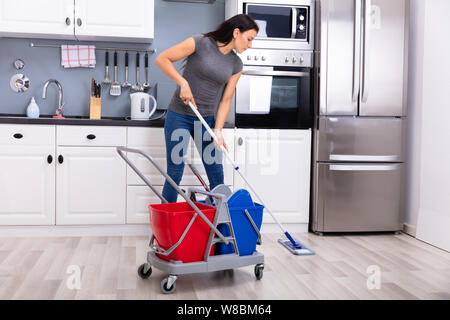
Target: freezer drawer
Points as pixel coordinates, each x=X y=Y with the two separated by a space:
x=358 y=197
x=361 y=139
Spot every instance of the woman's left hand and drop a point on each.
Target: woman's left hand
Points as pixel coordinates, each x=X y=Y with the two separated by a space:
x=220 y=141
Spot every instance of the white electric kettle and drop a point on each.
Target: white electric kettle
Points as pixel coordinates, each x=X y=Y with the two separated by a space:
x=140 y=106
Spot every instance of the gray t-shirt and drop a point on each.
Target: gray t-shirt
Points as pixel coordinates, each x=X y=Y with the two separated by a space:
x=206 y=70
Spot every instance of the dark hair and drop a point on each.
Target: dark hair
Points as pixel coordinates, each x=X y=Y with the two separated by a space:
x=224 y=32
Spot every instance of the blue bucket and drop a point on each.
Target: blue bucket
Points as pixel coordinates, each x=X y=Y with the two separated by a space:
x=246 y=236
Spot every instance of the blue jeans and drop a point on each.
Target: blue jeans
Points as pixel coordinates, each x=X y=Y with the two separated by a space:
x=178 y=128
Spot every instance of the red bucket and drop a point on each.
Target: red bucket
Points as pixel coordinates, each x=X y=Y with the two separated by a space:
x=169 y=220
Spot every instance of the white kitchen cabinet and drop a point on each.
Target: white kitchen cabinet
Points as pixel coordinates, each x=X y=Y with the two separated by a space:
x=114 y=20
x=90 y=186
x=37 y=19
x=95 y=20
x=277 y=165
x=90 y=175
x=27 y=175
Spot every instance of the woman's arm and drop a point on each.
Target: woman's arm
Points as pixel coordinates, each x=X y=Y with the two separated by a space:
x=224 y=107
x=165 y=63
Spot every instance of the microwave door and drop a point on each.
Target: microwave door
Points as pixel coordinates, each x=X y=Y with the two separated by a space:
x=340 y=56
x=384 y=64
x=276 y=22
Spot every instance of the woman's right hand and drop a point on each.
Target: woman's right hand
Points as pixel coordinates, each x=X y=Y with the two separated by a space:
x=186 y=94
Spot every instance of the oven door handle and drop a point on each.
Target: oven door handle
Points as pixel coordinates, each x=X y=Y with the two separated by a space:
x=275 y=73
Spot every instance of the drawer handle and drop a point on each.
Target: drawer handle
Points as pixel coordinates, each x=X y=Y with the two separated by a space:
x=49 y=159
x=240 y=141
x=91 y=136
x=18 y=136
x=60 y=158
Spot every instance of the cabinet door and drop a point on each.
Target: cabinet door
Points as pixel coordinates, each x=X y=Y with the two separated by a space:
x=90 y=186
x=27 y=185
x=114 y=20
x=277 y=165
x=37 y=19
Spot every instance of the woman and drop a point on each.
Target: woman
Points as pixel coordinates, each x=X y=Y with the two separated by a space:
x=210 y=64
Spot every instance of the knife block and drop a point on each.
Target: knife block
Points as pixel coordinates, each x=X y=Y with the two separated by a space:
x=95 y=108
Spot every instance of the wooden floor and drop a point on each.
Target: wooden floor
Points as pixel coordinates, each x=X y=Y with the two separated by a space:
x=39 y=268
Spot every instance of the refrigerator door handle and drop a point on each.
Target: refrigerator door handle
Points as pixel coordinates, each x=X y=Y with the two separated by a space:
x=388 y=167
x=363 y=158
x=356 y=50
x=366 y=54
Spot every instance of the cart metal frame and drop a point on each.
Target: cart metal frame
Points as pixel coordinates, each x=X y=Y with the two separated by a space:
x=217 y=197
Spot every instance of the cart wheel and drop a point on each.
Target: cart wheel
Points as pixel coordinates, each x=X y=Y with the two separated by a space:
x=142 y=273
x=259 y=271
x=164 y=288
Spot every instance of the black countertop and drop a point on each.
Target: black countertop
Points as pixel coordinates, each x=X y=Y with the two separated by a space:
x=156 y=120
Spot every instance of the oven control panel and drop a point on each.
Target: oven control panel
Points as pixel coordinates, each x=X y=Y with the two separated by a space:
x=268 y=57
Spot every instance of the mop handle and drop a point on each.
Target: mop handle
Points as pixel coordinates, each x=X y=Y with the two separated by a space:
x=235 y=166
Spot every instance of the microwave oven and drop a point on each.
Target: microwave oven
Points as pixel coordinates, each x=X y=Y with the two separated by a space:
x=285 y=24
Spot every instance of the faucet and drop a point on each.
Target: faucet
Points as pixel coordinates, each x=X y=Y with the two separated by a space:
x=60 y=102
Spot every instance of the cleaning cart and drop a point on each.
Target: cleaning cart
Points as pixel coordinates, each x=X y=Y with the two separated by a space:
x=184 y=234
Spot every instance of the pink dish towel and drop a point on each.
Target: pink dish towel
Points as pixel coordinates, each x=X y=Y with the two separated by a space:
x=78 y=56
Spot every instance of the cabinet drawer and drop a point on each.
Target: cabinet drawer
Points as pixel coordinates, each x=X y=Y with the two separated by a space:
x=91 y=136
x=22 y=135
x=145 y=137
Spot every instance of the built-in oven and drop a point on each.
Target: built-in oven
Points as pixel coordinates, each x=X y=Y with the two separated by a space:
x=275 y=90
x=284 y=24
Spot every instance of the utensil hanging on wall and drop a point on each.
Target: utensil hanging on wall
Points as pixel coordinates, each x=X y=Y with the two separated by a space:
x=106 y=80
x=146 y=83
x=115 y=89
x=137 y=86
x=126 y=84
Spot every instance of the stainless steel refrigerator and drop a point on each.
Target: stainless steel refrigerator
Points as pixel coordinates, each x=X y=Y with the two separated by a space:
x=360 y=127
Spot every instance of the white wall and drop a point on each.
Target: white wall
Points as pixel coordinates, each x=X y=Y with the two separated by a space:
x=415 y=88
x=428 y=171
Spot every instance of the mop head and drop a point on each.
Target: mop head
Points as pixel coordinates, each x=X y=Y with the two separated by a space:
x=298 y=249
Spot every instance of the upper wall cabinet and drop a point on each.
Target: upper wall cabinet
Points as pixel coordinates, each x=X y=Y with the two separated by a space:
x=51 y=19
x=114 y=20
x=95 y=20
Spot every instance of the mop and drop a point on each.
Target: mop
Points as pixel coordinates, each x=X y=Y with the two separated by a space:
x=294 y=246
